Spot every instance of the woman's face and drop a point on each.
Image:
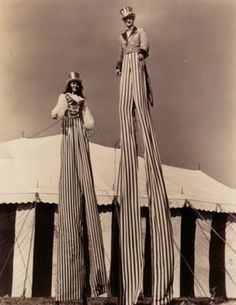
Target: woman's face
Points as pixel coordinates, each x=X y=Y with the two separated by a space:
x=74 y=86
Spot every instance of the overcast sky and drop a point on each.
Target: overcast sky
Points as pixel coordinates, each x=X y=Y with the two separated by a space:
x=192 y=66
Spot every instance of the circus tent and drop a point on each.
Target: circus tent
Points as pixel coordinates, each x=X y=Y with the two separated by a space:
x=203 y=218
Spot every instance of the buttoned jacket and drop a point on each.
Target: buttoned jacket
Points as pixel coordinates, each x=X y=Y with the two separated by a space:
x=136 y=42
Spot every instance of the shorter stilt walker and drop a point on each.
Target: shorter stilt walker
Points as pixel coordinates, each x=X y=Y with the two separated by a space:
x=80 y=263
x=136 y=97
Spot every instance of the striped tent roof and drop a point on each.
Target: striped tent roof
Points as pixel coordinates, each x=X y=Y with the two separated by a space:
x=29 y=171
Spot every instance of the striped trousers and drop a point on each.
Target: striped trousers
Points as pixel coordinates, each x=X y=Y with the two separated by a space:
x=133 y=92
x=80 y=265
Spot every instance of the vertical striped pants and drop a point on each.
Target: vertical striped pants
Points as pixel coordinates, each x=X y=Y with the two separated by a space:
x=80 y=267
x=133 y=91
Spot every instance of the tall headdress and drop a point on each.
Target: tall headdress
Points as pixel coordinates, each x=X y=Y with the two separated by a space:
x=127 y=11
x=73 y=76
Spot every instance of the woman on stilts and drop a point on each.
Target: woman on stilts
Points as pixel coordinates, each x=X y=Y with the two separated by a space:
x=135 y=99
x=80 y=263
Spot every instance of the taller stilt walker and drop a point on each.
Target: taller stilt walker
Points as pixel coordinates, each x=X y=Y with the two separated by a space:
x=136 y=97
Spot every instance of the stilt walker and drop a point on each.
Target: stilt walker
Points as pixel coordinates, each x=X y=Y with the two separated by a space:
x=135 y=93
x=80 y=264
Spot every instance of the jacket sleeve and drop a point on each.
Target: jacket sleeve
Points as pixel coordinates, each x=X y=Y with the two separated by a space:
x=144 y=43
x=87 y=117
x=60 y=108
x=120 y=58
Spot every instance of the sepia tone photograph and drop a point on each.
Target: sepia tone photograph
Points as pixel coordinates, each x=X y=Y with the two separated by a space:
x=118 y=152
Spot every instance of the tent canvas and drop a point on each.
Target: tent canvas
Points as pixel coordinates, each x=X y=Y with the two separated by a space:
x=30 y=166
x=29 y=172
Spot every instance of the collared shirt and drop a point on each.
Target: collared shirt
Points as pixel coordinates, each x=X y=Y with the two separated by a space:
x=129 y=31
x=134 y=40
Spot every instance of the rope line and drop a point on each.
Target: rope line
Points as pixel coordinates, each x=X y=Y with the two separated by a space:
x=12 y=247
x=217 y=234
x=232 y=215
x=190 y=269
x=230 y=229
x=30 y=248
x=208 y=239
x=44 y=129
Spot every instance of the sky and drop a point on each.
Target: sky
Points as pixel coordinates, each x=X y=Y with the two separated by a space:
x=192 y=66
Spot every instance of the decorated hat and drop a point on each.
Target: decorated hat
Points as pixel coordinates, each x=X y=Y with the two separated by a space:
x=73 y=76
x=127 y=11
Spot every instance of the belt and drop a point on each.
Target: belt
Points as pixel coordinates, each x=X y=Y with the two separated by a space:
x=130 y=51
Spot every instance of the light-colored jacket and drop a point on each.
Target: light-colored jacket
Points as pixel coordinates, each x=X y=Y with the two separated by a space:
x=136 y=42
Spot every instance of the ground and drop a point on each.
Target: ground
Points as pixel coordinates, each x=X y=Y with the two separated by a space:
x=112 y=301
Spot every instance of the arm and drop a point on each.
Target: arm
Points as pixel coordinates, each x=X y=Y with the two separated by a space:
x=119 y=62
x=144 y=45
x=87 y=117
x=60 y=108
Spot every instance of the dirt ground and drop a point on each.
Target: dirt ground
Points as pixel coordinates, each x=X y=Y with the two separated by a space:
x=112 y=301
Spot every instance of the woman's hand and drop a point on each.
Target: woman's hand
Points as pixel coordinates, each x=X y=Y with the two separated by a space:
x=55 y=116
